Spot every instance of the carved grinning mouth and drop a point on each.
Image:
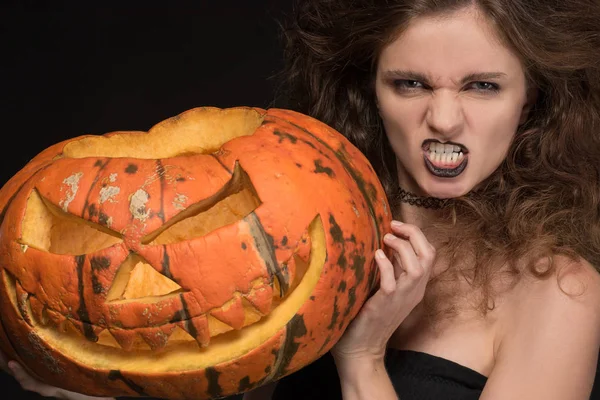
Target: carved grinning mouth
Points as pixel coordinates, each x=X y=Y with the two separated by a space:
x=182 y=349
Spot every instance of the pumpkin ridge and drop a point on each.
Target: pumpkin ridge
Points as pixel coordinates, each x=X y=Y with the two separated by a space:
x=266 y=247
x=160 y=170
x=89 y=193
x=348 y=167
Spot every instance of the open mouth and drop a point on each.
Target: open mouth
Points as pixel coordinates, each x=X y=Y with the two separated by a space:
x=445 y=160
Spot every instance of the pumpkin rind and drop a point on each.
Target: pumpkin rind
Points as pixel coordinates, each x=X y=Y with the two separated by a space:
x=243 y=301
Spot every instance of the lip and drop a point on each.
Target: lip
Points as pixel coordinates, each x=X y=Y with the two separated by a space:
x=445 y=172
x=427 y=143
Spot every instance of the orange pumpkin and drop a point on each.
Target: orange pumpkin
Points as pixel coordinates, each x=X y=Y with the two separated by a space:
x=221 y=250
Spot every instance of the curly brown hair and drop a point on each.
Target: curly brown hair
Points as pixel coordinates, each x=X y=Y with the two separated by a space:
x=544 y=199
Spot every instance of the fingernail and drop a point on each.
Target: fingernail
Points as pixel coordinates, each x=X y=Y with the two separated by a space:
x=388 y=237
x=379 y=253
x=397 y=223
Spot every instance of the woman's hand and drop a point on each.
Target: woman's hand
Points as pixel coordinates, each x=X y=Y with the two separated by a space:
x=31 y=384
x=402 y=286
x=359 y=354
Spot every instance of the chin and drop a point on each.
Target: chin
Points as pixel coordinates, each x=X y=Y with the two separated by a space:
x=447 y=189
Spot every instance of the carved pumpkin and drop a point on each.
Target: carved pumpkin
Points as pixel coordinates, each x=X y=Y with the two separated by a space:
x=221 y=250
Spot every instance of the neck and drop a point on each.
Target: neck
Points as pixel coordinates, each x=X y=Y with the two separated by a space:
x=418 y=216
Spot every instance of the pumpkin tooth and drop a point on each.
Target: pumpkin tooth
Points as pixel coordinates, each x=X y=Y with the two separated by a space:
x=87 y=330
x=23 y=304
x=261 y=297
x=129 y=339
x=105 y=338
x=55 y=318
x=216 y=327
x=197 y=327
x=180 y=335
x=157 y=337
x=39 y=311
x=251 y=313
x=231 y=313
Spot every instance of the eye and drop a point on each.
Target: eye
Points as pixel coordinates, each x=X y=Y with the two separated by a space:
x=235 y=201
x=48 y=228
x=408 y=85
x=484 y=86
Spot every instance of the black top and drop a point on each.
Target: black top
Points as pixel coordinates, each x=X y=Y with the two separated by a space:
x=415 y=376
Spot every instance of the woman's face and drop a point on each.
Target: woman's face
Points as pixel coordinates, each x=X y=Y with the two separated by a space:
x=451 y=97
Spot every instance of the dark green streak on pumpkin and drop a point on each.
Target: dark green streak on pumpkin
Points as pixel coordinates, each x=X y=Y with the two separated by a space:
x=360 y=182
x=103 y=219
x=294 y=329
x=327 y=340
x=160 y=170
x=131 y=169
x=115 y=374
x=342 y=261
x=284 y=241
x=244 y=246
x=283 y=136
x=214 y=389
x=310 y=144
x=342 y=287
x=351 y=301
x=82 y=311
x=101 y=166
x=244 y=384
x=98 y=264
x=334 y=315
x=358 y=266
x=222 y=165
x=336 y=232
x=189 y=325
x=166 y=264
x=92 y=210
x=263 y=242
x=320 y=169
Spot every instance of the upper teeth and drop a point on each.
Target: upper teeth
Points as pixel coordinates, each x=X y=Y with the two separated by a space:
x=442 y=148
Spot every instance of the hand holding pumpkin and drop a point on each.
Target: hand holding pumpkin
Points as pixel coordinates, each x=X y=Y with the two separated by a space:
x=29 y=383
x=402 y=286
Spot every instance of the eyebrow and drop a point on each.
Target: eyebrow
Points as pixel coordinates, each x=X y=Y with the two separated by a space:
x=416 y=76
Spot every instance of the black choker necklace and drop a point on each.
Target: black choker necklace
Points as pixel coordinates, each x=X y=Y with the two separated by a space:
x=419 y=201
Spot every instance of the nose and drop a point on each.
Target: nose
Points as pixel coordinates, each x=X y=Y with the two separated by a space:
x=445 y=115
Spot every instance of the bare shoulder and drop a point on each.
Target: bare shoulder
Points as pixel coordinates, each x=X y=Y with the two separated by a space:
x=571 y=295
x=547 y=346
x=575 y=285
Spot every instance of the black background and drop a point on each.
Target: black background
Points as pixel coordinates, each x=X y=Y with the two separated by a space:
x=81 y=67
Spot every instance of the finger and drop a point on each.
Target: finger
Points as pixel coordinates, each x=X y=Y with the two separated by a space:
x=387 y=280
x=422 y=247
x=413 y=267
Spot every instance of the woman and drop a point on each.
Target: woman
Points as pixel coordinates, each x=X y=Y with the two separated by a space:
x=482 y=120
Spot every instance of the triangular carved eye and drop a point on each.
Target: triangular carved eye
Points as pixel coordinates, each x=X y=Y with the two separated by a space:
x=232 y=203
x=47 y=227
x=137 y=280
